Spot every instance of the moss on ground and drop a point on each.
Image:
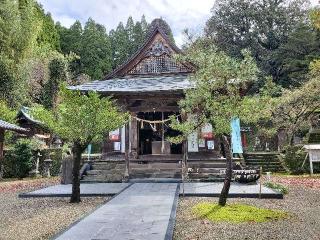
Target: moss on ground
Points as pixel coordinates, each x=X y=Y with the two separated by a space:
x=236 y=213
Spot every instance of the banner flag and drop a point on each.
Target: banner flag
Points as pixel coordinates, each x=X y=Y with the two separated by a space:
x=236 y=144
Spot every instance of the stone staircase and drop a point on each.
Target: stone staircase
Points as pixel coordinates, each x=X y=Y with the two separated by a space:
x=105 y=171
x=153 y=168
x=269 y=161
x=206 y=170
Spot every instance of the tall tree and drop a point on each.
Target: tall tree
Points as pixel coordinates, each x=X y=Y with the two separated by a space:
x=48 y=34
x=218 y=97
x=119 y=45
x=262 y=26
x=81 y=119
x=96 y=54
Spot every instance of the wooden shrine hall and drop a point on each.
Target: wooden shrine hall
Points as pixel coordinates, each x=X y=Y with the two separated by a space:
x=149 y=85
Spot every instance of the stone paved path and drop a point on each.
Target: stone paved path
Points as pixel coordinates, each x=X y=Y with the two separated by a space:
x=143 y=211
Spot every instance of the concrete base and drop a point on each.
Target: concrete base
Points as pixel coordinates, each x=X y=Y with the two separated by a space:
x=194 y=189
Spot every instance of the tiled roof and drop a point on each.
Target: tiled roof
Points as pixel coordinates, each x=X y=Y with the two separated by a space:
x=25 y=112
x=142 y=84
x=9 y=126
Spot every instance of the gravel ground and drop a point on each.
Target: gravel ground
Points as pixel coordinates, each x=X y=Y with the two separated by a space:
x=37 y=218
x=302 y=203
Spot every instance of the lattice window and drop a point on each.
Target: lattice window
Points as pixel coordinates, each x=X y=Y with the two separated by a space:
x=158 y=64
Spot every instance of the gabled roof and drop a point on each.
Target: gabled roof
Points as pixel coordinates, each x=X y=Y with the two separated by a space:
x=12 y=127
x=158 y=26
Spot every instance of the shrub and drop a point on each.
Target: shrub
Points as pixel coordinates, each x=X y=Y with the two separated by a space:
x=277 y=187
x=23 y=158
x=294 y=158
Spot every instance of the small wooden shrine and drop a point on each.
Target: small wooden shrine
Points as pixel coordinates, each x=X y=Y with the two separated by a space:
x=149 y=86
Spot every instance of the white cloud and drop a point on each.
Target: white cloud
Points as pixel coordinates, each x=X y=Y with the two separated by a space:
x=179 y=14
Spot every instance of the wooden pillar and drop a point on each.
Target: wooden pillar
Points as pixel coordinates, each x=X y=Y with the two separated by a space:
x=134 y=136
x=1 y=151
x=127 y=164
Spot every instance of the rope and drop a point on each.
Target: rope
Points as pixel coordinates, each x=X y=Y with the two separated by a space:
x=153 y=122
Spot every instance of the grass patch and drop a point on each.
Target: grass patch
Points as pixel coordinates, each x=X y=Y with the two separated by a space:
x=278 y=187
x=236 y=213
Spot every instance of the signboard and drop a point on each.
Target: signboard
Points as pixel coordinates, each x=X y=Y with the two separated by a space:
x=202 y=143
x=210 y=144
x=114 y=135
x=117 y=146
x=206 y=131
x=193 y=142
x=236 y=136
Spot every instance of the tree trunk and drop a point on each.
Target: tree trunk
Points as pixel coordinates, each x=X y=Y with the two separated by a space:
x=77 y=152
x=227 y=180
x=1 y=152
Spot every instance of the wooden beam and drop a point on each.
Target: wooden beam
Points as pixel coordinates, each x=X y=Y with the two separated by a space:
x=134 y=136
x=127 y=164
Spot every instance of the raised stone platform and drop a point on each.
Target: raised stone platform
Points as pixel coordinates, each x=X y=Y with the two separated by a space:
x=199 y=189
x=202 y=189
x=86 y=190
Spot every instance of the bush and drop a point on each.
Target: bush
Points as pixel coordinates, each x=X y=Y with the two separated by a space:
x=23 y=158
x=294 y=158
x=10 y=162
x=277 y=187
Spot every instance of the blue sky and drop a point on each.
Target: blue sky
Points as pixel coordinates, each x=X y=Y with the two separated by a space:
x=180 y=14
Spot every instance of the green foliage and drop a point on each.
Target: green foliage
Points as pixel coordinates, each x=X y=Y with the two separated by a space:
x=48 y=34
x=236 y=213
x=294 y=157
x=58 y=73
x=95 y=55
x=6 y=113
x=125 y=40
x=278 y=187
x=218 y=95
x=81 y=118
x=294 y=108
x=265 y=28
x=23 y=158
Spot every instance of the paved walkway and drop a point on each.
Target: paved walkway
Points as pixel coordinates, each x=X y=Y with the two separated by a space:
x=143 y=211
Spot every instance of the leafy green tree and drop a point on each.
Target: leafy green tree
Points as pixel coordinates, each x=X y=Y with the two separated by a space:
x=294 y=56
x=19 y=28
x=119 y=42
x=96 y=53
x=130 y=34
x=260 y=26
x=7 y=114
x=81 y=119
x=58 y=69
x=48 y=34
x=218 y=96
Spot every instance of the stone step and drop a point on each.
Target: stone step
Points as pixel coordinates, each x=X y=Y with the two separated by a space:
x=205 y=170
x=206 y=165
x=104 y=172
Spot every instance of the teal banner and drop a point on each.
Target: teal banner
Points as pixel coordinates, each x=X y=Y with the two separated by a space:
x=236 y=144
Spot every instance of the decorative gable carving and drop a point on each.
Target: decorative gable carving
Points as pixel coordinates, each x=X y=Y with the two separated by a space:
x=158 y=59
